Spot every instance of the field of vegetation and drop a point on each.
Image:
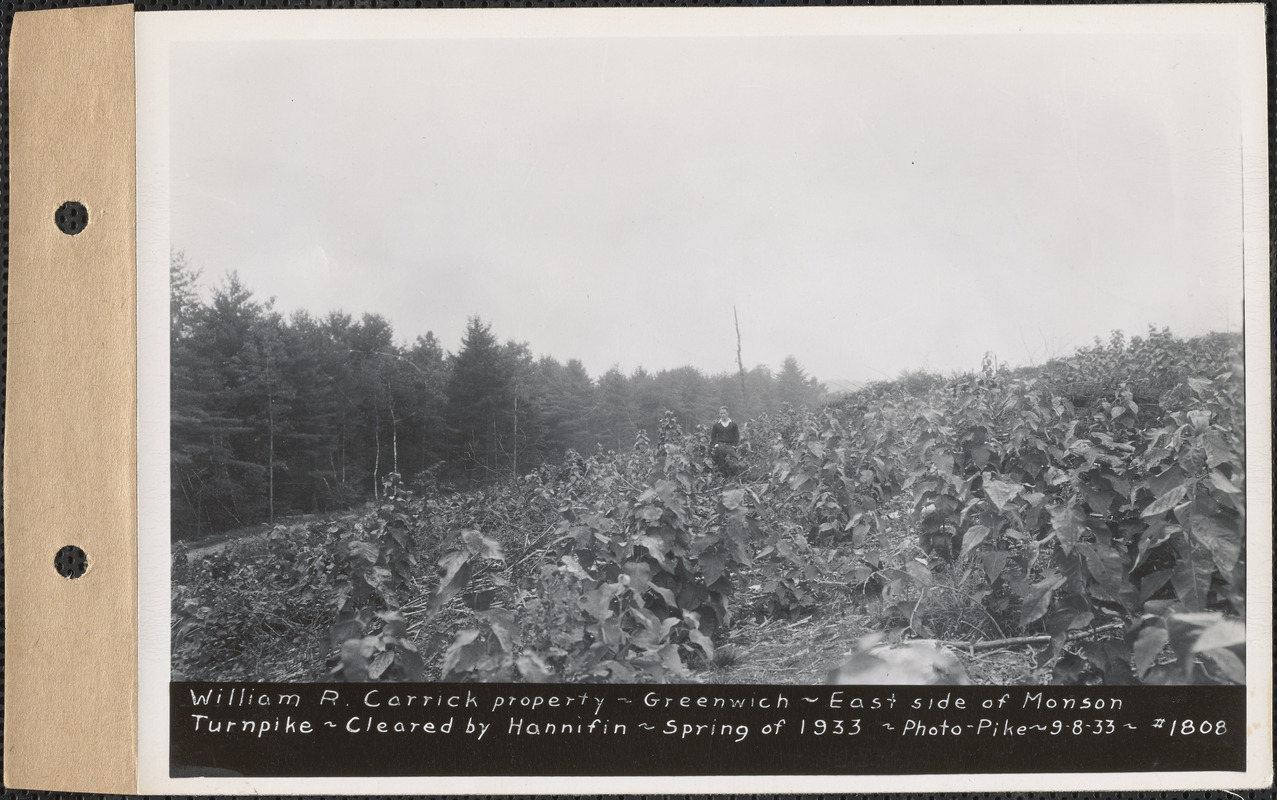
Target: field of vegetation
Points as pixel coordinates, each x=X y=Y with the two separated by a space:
x=1077 y=523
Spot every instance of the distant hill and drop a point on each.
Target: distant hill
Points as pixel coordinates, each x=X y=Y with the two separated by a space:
x=839 y=386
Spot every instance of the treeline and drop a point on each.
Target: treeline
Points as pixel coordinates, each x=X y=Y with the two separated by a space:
x=273 y=416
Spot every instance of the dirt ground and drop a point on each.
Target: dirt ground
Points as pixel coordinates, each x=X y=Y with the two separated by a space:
x=216 y=544
x=804 y=651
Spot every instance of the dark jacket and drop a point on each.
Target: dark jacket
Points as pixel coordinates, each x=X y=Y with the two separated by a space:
x=724 y=434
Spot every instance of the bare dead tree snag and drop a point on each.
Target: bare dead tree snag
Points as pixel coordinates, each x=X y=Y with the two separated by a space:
x=739 y=363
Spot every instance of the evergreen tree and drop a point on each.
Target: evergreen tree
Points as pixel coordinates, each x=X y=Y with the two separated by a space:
x=199 y=428
x=574 y=404
x=646 y=397
x=795 y=387
x=234 y=317
x=427 y=388
x=310 y=480
x=263 y=399
x=613 y=423
x=209 y=427
x=480 y=402
x=273 y=416
x=349 y=471
x=686 y=392
x=372 y=357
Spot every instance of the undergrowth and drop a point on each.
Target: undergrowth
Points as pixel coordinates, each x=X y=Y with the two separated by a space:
x=1083 y=523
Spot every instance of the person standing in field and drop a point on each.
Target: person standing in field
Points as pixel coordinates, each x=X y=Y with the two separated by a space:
x=723 y=438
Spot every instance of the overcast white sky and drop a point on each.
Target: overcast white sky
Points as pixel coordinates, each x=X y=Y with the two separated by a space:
x=868 y=204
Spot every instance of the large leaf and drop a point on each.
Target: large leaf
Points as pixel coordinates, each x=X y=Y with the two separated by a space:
x=994 y=562
x=379 y=579
x=401 y=535
x=396 y=624
x=1191 y=576
x=1071 y=613
x=652 y=631
x=1158 y=532
x=504 y=627
x=667 y=491
x=1164 y=675
x=457 y=576
x=533 y=669
x=452 y=563
x=1034 y=499
x=347 y=629
x=740 y=550
x=656 y=546
x=364 y=550
x=1222 y=632
x=943 y=462
x=1217 y=450
x=354 y=659
x=1113 y=658
x=411 y=663
x=461 y=654
x=1149 y=644
x=1231 y=667
x=732 y=499
x=1222 y=539
x=639 y=576
x=611 y=632
x=1186 y=639
x=597 y=602
x=1166 y=481
x=1166 y=501
x=341 y=593
x=1184 y=629
x=712 y=564
x=1200 y=386
x=1104 y=563
x=1222 y=483
x=702 y=641
x=666 y=595
x=1100 y=500
x=920 y=573
x=1037 y=599
x=1120 y=485
x=1068 y=670
x=1068 y=523
x=379 y=664
x=1001 y=492
x=1151 y=583
x=572 y=566
x=671 y=661
x=972 y=539
x=651 y=514
x=691 y=595
x=1200 y=418
x=482 y=546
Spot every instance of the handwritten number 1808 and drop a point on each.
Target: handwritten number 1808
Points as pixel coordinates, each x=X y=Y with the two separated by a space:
x=1187 y=727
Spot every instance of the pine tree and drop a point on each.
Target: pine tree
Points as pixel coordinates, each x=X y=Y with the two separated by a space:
x=265 y=398
x=427 y=397
x=613 y=422
x=795 y=387
x=207 y=425
x=480 y=402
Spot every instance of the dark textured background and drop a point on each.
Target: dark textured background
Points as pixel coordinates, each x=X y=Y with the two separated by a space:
x=8 y=8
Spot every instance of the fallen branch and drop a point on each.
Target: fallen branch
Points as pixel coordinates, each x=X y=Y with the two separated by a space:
x=1044 y=638
x=534 y=547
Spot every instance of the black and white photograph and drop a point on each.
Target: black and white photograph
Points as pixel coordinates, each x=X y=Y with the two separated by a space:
x=789 y=352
